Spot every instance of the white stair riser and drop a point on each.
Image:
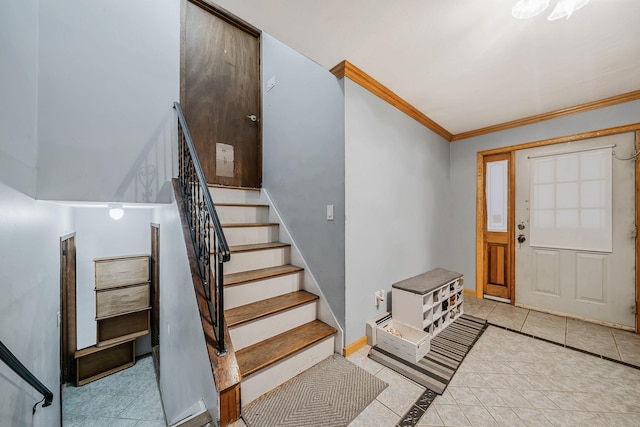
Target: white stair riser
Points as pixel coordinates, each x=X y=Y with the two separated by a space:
x=264 y=328
x=250 y=235
x=232 y=195
x=267 y=379
x=242 y=214
x=246 y=293
x=252 y=260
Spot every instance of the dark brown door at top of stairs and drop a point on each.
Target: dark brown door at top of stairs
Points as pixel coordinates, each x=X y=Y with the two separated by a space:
x=221 y=89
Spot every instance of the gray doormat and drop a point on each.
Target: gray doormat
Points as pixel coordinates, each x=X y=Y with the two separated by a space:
x=448 y=349
x=331 y=393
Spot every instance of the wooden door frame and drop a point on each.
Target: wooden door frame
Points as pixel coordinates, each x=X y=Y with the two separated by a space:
x=68 y=326
x=230 y=18
x=482 y=219
x=480 y=200
x=154 y=274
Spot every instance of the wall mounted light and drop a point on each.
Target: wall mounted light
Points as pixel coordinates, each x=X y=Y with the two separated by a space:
x=116 y=212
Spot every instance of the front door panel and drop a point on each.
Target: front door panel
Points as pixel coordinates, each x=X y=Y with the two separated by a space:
x=597 y=285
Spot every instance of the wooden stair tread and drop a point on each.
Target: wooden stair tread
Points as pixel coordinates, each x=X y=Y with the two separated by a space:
x=257 y=247
x=249 y=224
x=259 y=274
x=260 y=355
x=246 y=313
x=251 y=205
x=233 y=187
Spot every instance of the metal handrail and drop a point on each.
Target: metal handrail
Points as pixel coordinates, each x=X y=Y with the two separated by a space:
x=202 y=217
x=12 y=361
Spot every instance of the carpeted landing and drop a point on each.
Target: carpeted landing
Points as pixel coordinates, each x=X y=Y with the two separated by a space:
x=321 y=396
x=435 y=370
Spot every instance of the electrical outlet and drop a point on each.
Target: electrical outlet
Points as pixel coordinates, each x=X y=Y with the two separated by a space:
x=379 y=297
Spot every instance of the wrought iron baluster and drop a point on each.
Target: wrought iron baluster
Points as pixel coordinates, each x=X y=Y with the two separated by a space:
x=205 y=228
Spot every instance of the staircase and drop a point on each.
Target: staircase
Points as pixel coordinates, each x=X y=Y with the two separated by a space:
x=272 y=321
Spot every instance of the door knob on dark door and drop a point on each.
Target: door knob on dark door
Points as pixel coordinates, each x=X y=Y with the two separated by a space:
x=252 y=117
x=521 y=239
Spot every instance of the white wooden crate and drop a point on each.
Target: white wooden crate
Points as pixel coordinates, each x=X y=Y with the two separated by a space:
x=412 y=346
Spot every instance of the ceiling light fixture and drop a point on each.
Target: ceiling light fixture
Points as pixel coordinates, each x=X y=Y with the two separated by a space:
x=525 y=9
x=566 y=8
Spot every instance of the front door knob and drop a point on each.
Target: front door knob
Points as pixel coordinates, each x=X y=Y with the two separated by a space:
x=252 y=117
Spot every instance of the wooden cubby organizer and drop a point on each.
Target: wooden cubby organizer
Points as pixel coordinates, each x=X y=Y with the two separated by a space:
x=429 y=301
x=122 y=315
x=93 y=363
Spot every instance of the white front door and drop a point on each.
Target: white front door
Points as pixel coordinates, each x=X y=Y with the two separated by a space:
x=570 y=269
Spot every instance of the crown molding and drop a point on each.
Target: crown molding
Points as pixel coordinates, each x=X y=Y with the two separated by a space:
x=634 y=127
x=606 y=102
x=347 y=69
x=355 y=74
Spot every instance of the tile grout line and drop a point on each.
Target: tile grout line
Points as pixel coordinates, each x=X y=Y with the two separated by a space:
x=525 y=319
x=615 y=342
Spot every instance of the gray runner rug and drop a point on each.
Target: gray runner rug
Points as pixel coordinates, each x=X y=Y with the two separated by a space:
x=448 y=349
x=331 y=393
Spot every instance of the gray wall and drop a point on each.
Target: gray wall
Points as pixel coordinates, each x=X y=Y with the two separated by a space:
x=30 y=287
x=303 y=160
x=30 y=231
x=86 y=115
x=185 y=370
x=108 y=75
x=19 y=90
x=463 y=170
x=397 y=202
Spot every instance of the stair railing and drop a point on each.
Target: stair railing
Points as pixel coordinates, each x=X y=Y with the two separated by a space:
x=12 y=361
x=206 y=230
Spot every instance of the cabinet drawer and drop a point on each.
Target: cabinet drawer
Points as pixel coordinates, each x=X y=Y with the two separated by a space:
x=123 y=327
x=113 y=302
x=410 y=344
x=114 y=272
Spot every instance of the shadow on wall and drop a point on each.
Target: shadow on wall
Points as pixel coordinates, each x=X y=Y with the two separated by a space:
x=149 y=178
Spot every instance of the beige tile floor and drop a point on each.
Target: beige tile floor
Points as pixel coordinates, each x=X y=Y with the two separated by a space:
x=509 y=379
x=609 y=342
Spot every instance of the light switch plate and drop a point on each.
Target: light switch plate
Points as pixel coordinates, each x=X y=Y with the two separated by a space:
x=271 y=83
x=330 y=212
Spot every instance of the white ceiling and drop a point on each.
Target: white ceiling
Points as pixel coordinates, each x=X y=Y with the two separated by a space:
x=466 y=64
